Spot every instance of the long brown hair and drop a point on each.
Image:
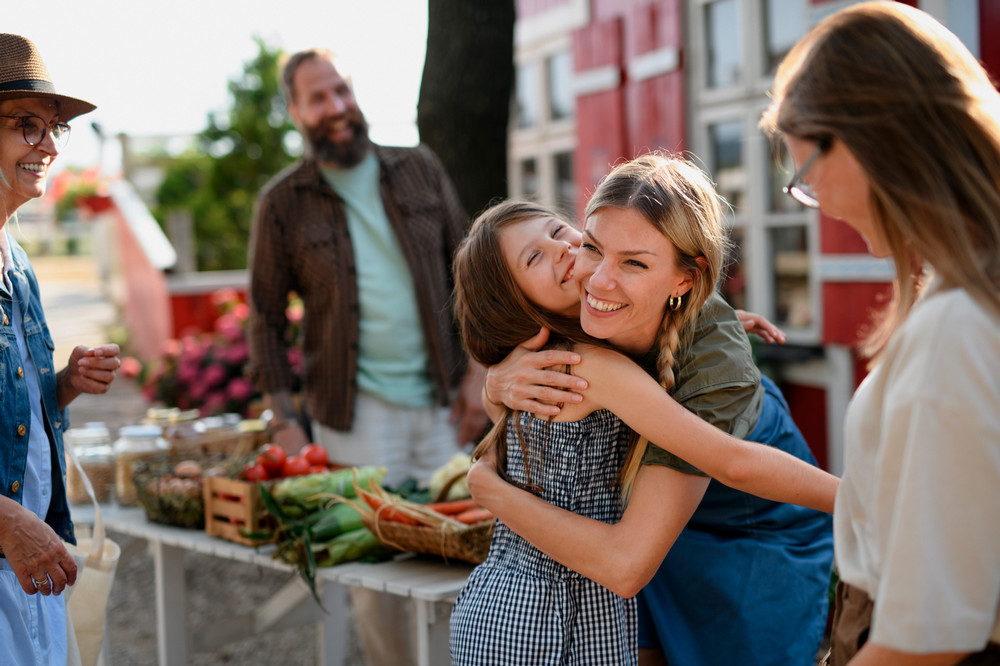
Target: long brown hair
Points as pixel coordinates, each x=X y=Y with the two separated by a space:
x=492 y=312
x=679 y=200
x=922 y=117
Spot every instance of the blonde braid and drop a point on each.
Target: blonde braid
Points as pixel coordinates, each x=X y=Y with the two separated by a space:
x=667 y=342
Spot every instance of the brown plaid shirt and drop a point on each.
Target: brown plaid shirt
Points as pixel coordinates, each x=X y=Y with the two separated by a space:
x=300 y=243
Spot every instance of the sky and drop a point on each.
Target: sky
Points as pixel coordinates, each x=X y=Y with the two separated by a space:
x=158 y=67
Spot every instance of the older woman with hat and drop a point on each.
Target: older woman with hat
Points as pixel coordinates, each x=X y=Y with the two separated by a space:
x=35 y=566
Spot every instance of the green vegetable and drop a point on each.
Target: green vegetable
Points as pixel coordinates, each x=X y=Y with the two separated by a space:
x=347 y=547
x=335 y=520
x=300 y=495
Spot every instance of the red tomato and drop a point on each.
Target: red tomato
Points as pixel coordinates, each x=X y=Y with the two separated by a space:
x=295 y=466
x=315 y=454
x=272 y=458
x=254 y=472
x=318 y=469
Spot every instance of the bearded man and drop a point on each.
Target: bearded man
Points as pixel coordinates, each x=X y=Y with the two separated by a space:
x=364 y=235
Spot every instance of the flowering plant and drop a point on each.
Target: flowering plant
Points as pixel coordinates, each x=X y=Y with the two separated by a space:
x=207 y=371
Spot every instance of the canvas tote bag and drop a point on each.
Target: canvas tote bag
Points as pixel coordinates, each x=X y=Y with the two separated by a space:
x=86 y=601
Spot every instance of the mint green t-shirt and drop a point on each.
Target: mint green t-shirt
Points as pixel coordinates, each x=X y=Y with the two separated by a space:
x=392 y=354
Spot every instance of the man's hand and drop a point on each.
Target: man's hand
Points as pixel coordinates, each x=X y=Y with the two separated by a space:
x=522 y=380
x=90 y=370
x=467 y=409
x=755 y=323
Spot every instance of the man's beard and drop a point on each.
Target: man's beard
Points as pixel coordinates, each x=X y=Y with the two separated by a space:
x=344 y=155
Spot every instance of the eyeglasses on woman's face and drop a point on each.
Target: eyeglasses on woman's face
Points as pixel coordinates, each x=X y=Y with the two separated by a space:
x=34 y=130
x=800 y=190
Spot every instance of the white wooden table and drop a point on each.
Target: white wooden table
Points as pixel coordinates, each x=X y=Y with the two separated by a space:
x=426 y=582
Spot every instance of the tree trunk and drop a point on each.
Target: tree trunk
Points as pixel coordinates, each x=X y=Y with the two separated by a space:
x=465 y=92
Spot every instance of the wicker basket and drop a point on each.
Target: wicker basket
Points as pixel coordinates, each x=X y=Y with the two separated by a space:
x=216 y=443
x=470 y=543
x=169 y=499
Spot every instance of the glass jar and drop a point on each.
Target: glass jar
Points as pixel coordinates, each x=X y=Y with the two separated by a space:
x=135 y=443
x=92 y=447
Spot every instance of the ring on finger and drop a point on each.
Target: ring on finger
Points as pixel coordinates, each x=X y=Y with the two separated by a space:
x=40 y=583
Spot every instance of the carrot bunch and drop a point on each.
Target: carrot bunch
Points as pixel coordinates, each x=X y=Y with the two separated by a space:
x=381 y=505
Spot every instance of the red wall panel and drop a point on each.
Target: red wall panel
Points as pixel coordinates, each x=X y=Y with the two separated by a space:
x=655 y=106
x=600 y=115
x=528 y=8
x=838 y=237
x=989 y=44
x=808 y=407
x=848 y=308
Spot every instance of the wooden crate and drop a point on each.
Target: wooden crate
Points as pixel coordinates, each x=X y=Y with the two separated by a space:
x=232 y=506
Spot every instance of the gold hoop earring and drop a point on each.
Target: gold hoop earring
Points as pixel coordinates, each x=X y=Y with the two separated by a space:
x=674 y=303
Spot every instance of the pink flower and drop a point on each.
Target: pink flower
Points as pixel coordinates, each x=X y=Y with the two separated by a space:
x=229 y=327
x=223 y=298
x=294 y=312
x=241 y=311
x=171 y=347
x=295 y=359
x=240 y=389
x=214 y=403
x=213 y=375
x=235 y=355
x=131 y=367
x=188 y=373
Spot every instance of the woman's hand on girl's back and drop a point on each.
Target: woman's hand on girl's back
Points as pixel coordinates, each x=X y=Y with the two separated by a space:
x=524 y=381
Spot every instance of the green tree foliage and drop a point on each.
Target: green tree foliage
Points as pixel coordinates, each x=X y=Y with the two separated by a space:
x=236 y=154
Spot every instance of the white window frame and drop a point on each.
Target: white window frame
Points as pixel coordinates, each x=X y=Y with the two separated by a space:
x=536 y=39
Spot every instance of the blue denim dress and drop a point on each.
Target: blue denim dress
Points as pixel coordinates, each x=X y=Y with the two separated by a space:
x=15 y=407
x=746 y=582
x=32 y=467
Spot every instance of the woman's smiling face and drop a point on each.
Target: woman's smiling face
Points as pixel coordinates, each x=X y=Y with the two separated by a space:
x=626 y=269
x=540 y=253
x=24 y=168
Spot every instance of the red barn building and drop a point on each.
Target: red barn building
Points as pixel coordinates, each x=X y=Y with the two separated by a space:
x=599 y=81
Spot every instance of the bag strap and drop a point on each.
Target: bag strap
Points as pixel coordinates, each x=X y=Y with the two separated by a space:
x=97 y=542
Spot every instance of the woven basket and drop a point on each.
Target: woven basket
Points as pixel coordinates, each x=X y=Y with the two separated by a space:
x=168 y=499
x=469 y=543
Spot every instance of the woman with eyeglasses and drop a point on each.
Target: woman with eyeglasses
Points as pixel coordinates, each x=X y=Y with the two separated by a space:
x=35 y=566
x=896 y=130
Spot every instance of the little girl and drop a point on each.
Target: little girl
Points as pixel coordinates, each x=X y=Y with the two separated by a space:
x=520 y=605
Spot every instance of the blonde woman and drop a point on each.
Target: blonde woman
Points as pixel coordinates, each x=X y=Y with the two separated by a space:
x=705 y=556
x=895 y=129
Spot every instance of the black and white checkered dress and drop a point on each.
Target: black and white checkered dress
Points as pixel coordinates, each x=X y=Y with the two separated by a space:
x=522 y=607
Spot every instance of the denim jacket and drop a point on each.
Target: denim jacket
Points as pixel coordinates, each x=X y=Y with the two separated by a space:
x=15 y=411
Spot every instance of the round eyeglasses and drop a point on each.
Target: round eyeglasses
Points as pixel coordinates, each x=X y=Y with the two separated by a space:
x=799 y=190
x=34 y=130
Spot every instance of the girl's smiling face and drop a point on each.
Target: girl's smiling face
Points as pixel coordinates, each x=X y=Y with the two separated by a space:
x=23 y=168
x=541 y=253
x=627 y=269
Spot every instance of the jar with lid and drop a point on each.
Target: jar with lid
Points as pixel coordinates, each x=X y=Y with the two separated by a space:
x=92 y=447
x=135 y=443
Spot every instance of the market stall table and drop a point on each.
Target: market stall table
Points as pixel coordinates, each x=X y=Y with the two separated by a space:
x=427 y=582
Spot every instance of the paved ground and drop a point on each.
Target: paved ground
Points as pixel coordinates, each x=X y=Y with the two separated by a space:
x=78 y=313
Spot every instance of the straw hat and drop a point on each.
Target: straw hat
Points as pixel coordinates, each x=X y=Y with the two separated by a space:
x=23 y=74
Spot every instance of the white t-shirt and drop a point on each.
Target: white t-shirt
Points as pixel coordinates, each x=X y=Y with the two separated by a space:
x=917 y=516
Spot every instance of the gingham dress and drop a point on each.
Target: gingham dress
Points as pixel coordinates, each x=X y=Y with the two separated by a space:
x=520 y=606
